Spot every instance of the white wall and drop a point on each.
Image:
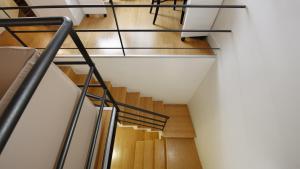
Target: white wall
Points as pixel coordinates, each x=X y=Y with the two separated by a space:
x=200 y=18
x=74 y=13
x=93 y=10
x=172 y=80
x=246 y=112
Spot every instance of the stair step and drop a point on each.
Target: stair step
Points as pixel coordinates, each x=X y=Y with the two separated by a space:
x=148 y=154
x=181 y=154
x=146 y=103
x=132 y=98
x=158 y=106
x=180 y=124
x=139 y=155
x=159 y=154
x=151 y=135
x=108 y=85
x=68 y=71
x=119 y=93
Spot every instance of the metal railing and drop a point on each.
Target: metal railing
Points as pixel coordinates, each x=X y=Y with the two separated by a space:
x=17 y=105
x=118 y=29
x=140 y=117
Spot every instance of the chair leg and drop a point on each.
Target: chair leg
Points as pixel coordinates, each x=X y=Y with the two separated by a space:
x=152 y=3
x=183 y=12
x=175 y=3
x=156 y=12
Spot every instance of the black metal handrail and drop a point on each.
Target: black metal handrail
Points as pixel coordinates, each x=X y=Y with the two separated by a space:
x=155 y=121
x=17 y=105
x=74 y=120
x=118 y=29
x=119 y=6
x=128 y=106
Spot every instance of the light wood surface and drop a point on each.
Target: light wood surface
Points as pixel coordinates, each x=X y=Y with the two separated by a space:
x=158 y=106
x=182 y=154
x=151 y=135
x=180 y=124
x=119 y=93
x=124 y=147
x=139 y=155
x=131 y=145
x=159 y=155
x=132 y=98
x=148 y=154
x=128 y=18
x=102 y=141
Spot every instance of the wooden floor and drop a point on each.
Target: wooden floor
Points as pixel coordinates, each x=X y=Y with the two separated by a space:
x=128 y=18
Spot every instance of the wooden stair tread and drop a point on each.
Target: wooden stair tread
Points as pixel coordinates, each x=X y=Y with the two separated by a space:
x=148 y=154
x=146 y=103
x=151 y=135
x=180 y=124
x=119 y=93
x=181 y=154
x=139 y=155
x=124 y=147
x=68 y=71
x=132 y=98
x=159 y=154
x=158 y=106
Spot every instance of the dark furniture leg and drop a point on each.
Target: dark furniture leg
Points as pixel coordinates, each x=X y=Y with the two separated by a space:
x=156 y=12
x=152 y=3
x=175 y=3
x=183 y=12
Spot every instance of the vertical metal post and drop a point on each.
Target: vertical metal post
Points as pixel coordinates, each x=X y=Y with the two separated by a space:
x=117 y=25
x=90 y=62
x=71 y=129
x=95 y=135
x=15 y=36
x=164 y=125
x=110 y=140
x=156 y=11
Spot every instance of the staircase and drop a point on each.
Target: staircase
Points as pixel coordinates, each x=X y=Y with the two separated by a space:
x=141 y=147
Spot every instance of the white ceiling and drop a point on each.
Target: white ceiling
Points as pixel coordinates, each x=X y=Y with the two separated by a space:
x=172 y=80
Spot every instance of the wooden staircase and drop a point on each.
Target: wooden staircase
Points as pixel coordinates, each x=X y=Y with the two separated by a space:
x=137 y=147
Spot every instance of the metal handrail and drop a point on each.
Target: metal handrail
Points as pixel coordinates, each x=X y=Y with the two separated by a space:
x=119 y=6
x=118 y=30
x=70 y=131
x=128 y=106
x=17 y=105
x=142 y=116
